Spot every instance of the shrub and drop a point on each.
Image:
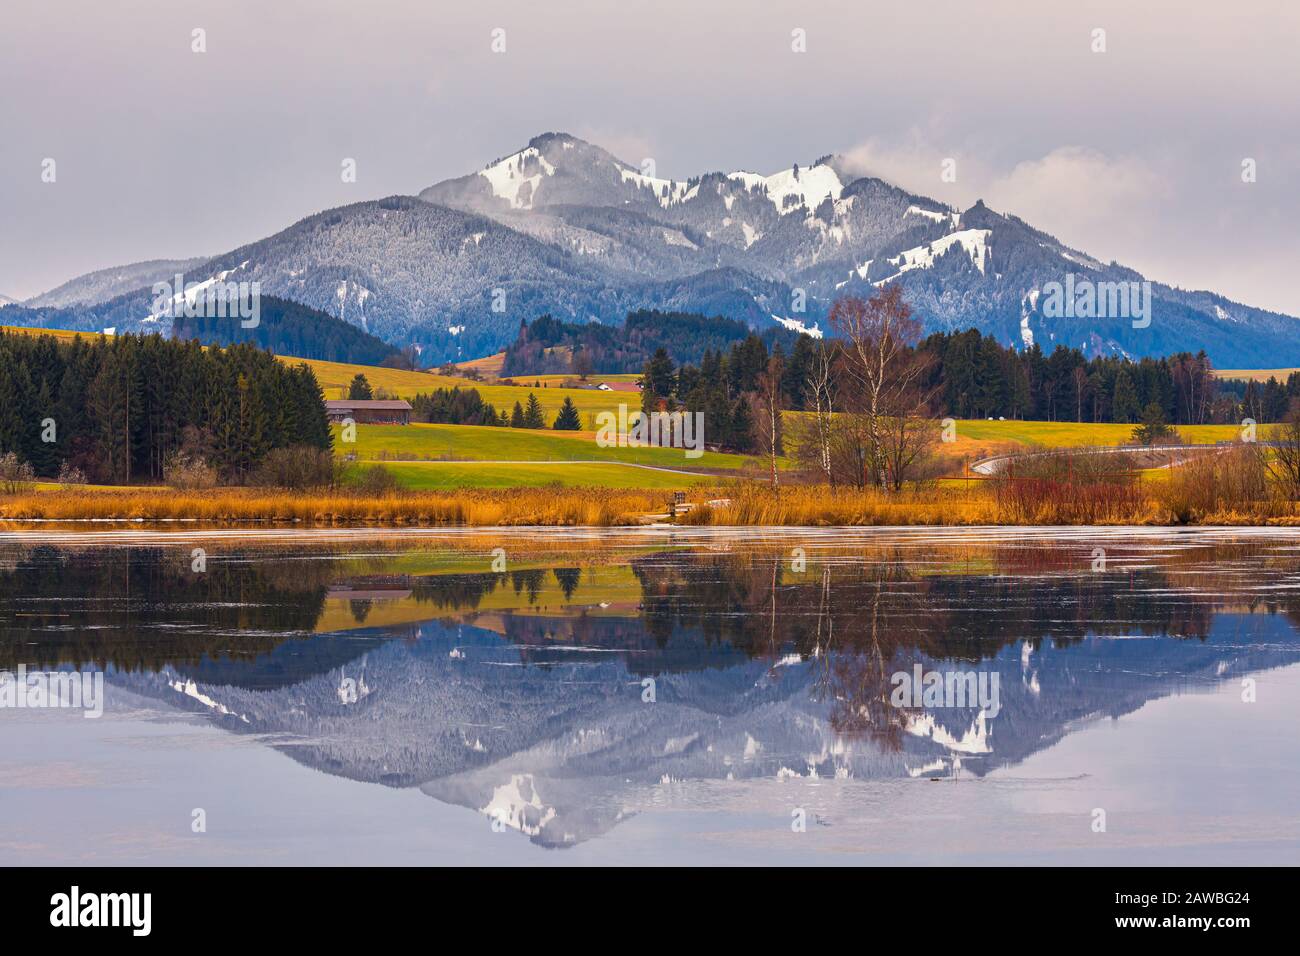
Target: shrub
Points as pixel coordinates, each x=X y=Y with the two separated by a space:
x=1064 y=488
x=376 y=480
x=297 y=467
x=1235 y=480
x=70 y=474
x=16 y=475
x=188 y=471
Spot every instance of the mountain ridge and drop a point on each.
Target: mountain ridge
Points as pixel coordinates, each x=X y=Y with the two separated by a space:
x=564 y=227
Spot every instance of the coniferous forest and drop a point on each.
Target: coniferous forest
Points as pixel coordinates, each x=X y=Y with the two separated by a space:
x=290 y=328
x=120 y=409
x=547 y=345
x=970 y=375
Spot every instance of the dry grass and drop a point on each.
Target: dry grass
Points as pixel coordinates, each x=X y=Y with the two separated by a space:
x=812 y=505
x=1218 y=490
x=1234 y=487
x=532 y=506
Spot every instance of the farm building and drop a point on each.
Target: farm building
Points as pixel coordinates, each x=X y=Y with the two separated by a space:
x=370 y=412
x=619 y=387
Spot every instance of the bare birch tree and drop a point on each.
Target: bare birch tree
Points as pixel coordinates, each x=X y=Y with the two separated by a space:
x=767 y=402
x=883 y=372
x=819 y=397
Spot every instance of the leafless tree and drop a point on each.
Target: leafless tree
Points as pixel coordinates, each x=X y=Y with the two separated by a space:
x=820 y=399
x=1287 y=454
x=908 y=439
x=767 y=402
x=883 y=372
x=1080 y=379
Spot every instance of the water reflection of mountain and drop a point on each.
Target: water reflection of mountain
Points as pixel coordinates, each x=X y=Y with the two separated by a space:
x=566 y=749
x=522 y=692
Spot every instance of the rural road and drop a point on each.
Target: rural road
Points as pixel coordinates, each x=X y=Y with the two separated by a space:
x=994 y=464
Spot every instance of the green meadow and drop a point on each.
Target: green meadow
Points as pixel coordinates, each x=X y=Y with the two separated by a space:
x=475 y=443
x=439 y=475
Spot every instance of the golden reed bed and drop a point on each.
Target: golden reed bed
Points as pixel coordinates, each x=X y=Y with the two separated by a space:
x=746 y=505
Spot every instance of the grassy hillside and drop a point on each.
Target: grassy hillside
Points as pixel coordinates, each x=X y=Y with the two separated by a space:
x=1065 y=434
x=478 y=443
x=335 y=376
x=488 y=365
x=63 y=334
x=1256 y=374
x=436 y=475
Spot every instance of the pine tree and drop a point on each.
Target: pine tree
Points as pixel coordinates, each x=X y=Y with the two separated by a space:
x=359 y=390
x=657 y=379
x=533 y=417
x=1153 y=427
x=568 y=419
x=517 y=417
x=1124 y=404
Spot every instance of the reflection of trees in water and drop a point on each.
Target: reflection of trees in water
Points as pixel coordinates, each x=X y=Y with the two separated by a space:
x=529 y=580
x=465 y=592
x=454 y=592
x=884 y=602
x=568 y=580
x=862 y=619
x=143 y=607
x=860 y=616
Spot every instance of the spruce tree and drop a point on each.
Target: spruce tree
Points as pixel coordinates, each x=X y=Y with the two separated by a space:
x=533 y=417
x=568 y=420
x=359 y=390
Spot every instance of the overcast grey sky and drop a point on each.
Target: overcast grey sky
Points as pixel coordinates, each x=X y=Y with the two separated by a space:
x=1133 y=154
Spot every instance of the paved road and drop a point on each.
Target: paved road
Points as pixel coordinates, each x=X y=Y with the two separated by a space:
x=994 y=464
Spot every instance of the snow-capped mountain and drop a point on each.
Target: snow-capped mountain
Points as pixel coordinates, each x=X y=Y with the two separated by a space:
x=563 y=751
x=564 y=227
x=105 y=284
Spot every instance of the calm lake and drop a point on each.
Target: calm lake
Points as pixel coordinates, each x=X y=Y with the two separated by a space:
x=542 y=696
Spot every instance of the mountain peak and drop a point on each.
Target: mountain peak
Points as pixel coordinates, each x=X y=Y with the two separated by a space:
x=562 y=226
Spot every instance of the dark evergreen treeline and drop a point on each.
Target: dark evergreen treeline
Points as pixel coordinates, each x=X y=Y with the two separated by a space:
x=1269 y=401
x=973 y=376
x=454 y=406
x=549 y=346
x=723 y=386
x=970 y=375
x=119 y=408
x=289 y=328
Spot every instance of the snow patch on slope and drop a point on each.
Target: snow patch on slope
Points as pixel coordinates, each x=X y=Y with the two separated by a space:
x=507 y=179
x=794 y=188
x=667 y=191
x=1027 y=307
x=927 y=213
x=794 y=325
x=972 y=741
x=974 y=241
x=517 y=805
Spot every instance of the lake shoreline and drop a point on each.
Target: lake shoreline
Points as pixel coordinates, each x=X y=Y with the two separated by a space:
x=732 y=504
